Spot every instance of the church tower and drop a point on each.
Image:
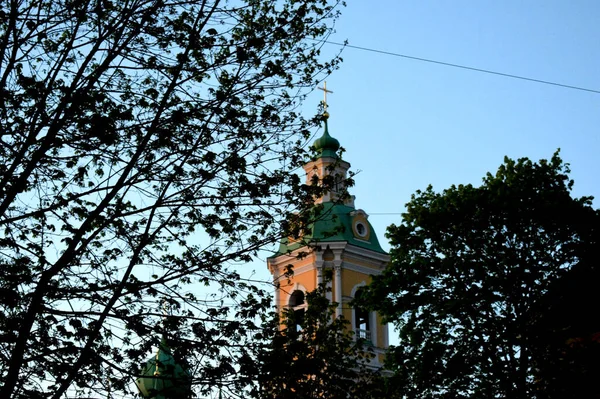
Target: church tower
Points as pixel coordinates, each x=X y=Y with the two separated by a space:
x=341 y=240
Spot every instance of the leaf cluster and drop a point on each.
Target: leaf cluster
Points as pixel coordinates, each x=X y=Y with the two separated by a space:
x=317 y=357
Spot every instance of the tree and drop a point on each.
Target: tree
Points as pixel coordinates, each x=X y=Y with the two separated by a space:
x=470 y=267
x=145 y=145
x=317 y=357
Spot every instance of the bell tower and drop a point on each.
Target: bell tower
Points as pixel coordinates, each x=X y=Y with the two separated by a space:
x=341 y=240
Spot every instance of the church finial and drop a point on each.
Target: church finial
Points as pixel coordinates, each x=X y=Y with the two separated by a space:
x=325 y=91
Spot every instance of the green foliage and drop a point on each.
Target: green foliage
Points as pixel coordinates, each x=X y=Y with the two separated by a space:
x=145 y=146
x=470 y=267
x=320 y=359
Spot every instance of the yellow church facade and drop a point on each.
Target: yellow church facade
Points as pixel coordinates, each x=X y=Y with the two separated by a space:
x=341 y=244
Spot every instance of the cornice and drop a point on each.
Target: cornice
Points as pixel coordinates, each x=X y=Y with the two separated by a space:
x=361 y=269
x=367 y=253
x=347 y=251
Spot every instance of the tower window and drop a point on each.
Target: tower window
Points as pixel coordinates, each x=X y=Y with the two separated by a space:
x=360 y=225
x=362 y=320
x=338 y=185
x=298 y=305
x=361 y=230
x=296 y=299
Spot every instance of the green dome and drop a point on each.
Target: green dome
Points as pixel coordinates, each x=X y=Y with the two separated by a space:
x=163 y=378
x=333 y=225
x=326 y=145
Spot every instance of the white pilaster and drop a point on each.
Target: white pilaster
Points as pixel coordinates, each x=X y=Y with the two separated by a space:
x=275 y=272
x=338 y=286
x=319 y=267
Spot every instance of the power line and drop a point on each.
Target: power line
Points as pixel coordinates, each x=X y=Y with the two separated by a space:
x=385 y=213
x=508 y=75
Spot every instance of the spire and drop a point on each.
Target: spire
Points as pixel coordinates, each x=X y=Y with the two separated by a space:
x=326 y=145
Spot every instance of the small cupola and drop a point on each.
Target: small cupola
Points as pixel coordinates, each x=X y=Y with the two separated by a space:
x=163 y=378
x=326 y=146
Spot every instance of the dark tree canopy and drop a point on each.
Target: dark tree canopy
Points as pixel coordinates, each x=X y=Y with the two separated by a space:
x=565 y=335
x=471 y=268
x=145 y=145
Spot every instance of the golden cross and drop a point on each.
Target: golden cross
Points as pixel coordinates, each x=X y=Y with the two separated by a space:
x=325 y=91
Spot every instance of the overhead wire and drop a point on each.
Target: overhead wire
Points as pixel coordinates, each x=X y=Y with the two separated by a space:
x=481 y=70
x=508 y=75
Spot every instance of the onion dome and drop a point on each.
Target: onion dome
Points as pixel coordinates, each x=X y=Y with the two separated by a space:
x=163 y=378
x=326 y=146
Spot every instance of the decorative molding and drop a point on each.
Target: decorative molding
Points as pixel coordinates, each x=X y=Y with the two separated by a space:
x=362 y=269
x=356 y=287
x=359 y=212
x=367 y=253
x=298 y=287
x=303 y=269
x=343 y=253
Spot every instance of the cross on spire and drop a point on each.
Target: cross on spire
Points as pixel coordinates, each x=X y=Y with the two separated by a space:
x=325 y=91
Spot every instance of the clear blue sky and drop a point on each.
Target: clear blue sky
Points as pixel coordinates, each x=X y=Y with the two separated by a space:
x=406 y=124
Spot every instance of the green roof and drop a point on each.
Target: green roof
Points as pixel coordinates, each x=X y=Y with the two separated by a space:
x=333 y=225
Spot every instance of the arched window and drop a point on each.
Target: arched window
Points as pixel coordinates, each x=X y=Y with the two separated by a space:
x=298 y=304
x=362 y=320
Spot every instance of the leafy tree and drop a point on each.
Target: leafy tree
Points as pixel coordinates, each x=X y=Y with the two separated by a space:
x=319 y=360
x=145 y=145
x=470 y=268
